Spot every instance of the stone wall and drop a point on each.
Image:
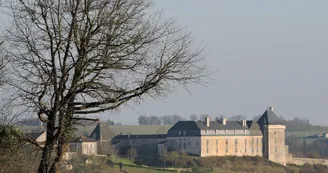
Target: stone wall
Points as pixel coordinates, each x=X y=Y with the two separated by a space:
x=302 y=161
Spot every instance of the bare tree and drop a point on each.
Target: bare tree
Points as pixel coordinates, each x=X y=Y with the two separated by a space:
x=257 y=117
x=167 y=119
x=78 y=57
x=237 y=118
x=202 y=117
x=143 y=120
x=154 y=120
x=193 y=117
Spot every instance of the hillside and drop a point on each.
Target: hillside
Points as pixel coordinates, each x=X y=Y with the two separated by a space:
x=201 y=165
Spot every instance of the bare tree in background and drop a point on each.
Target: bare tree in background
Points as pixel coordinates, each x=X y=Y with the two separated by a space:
x=237 y=117
x=77 y=57
x=193 y=117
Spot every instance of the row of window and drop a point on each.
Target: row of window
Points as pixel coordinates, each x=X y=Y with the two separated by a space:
x=236 y=150
x=236 y=145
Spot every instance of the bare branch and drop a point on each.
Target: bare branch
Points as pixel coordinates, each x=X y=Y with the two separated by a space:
x=82 y=57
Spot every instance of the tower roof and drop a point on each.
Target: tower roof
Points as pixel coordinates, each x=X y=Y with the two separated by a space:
x=269 y=118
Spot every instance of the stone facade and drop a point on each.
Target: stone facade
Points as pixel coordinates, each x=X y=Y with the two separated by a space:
x=274 y=145
x=265 y=138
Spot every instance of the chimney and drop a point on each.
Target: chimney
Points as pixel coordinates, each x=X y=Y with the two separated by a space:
x=271 y=108
x=224 y=121
x=243 y=122
x=207 y=121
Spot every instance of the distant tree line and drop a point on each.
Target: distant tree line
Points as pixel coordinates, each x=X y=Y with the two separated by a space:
x=302 y=147
x=295 y=124
x=172 y=119
x=156 y=120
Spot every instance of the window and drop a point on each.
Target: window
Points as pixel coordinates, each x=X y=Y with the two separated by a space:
x=245 y=142
x=236 y=150
x=252 y=149
x=275 y=140
x=226 y=150
x=207 y=145
x=245 y=149
x=257 y=149
x=217 y=146
x=197 y=143
x=189 y=144
x=206 y=131
x=179 y=133
x=236 y=142
x=275 y=149
x=257 y=140
x=275 y=132
x=227 y=141
x=252 y=141
x=184 y=133
x=184 y=146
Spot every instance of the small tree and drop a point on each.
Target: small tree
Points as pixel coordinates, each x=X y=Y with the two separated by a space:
x=107 y=148
x=173 y=157
x=10 y=145
x=132 y=153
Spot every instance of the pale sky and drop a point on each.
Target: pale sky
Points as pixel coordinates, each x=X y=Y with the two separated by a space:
x=267 y=53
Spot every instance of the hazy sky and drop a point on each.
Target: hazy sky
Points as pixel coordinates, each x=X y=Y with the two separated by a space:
x=267 y=53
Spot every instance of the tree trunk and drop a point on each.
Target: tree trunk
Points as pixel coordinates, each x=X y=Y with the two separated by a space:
x=47 y=151
x=46 y=156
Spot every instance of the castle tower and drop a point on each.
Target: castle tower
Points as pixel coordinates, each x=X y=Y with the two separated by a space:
x=273 y=130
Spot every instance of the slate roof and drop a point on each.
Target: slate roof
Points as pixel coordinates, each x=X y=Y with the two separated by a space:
x=82 y=139
x=193 y=128
x=214 y=125
x=106 y=132
x=269 y=118
x=154 y=136
x=139 y=129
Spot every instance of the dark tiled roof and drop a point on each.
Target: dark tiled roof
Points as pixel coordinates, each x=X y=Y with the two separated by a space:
x=218 y=125
x=214 y=125
x=269 y=118
x=155 y=136
x=82 y=139
x=107 y=132
x=193 y=127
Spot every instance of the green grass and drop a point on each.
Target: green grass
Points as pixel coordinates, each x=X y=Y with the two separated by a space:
x=131 y=167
